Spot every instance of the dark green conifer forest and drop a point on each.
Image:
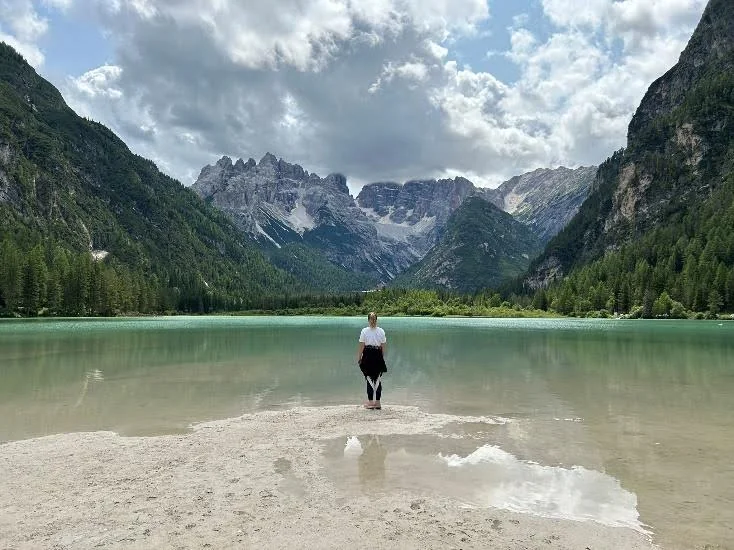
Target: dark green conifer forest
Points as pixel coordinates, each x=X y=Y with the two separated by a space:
x=69 y=186
x=675 y=258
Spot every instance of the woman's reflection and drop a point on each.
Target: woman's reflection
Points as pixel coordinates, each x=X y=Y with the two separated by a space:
x=372 y=465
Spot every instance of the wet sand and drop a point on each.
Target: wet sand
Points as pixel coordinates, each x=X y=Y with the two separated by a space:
x=260 y=480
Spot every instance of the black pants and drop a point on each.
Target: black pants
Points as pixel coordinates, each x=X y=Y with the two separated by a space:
x=370 y=392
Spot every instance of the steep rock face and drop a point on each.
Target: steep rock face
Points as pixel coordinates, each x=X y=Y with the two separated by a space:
x=416 y=212
x=481 y=246
x=279 y=203
x=679 y=152
x=272 y=199
x=545 y=200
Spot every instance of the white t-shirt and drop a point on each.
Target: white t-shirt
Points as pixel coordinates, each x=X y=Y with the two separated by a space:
x=372 y=336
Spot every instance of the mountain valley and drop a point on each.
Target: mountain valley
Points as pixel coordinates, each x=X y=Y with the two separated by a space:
x=388 y=227
x=88 y=227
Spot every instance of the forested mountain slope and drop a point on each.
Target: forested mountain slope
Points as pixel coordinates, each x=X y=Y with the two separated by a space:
x=87 y=227
x=657 y=225
x=481 y=246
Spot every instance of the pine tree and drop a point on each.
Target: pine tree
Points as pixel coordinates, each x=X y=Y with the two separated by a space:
x=34 y=281
x=540 y=300
x=647 y=304
x=662 y=306
x=57 y=280
x=715 y=302
x=11 y=276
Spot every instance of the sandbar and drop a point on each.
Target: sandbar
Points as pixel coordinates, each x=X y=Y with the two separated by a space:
x=256 y=481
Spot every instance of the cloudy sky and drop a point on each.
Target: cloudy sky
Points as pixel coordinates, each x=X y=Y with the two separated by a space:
x=375 y=89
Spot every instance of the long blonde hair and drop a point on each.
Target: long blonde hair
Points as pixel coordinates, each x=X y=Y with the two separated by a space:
x=372 y=319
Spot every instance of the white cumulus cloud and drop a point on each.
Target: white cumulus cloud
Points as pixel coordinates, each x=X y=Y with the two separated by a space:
x=21 y=27
x=374 y=89
x=99 y=82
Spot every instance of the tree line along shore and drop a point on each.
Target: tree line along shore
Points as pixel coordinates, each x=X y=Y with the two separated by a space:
x=48 y=280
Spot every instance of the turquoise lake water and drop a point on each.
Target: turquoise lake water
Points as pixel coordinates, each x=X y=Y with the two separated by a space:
x=646 y=404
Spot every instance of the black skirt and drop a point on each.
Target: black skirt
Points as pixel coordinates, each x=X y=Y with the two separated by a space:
x=372 y=363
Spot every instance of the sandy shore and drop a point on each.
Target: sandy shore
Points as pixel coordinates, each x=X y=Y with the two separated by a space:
x=258 y=481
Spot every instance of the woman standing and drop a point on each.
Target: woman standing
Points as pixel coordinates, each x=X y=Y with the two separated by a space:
x=371 y=360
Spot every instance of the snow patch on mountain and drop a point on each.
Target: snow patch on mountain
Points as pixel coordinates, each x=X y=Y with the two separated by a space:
x=299 y=218
x=512 y=201
x=262 y=232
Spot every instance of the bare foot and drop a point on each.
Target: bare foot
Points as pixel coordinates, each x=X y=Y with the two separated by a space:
x=369 y=405
x=377 y=405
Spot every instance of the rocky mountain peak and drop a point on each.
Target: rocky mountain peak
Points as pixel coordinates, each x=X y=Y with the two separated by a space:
x=275 y=169
x=337 y=182
x=224 y=162
x=240 y=166
x=710 y=46
x=268 y=158
x=545 y=199
x=417 y=211
x=279 y=203
x=414 y=212
x=291 y=171
x=462 y=182
x=379 y=196
x=215 y=176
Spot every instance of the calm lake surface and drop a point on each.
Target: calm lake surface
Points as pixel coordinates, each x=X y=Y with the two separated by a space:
x=607 y=419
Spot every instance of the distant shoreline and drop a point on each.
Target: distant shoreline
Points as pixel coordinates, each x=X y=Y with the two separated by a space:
x=521 y=314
